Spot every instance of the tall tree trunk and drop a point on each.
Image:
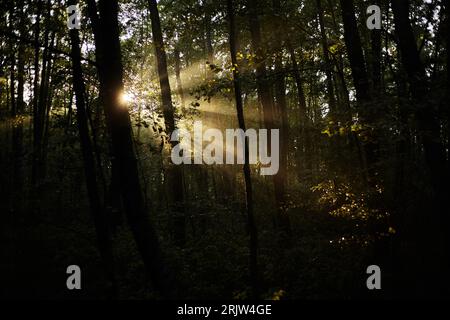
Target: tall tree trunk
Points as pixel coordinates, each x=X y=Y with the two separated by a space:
x=265 y=97
x=45 y=105
x=280 y=179
x=429 y=131
x=20 y=108
x=208 y=32
x=16 y=110
x=341 y=85
x=175 y=175
x=247 y=174
x=12 y=79
x=447 y=51
x=178 y=77
x=326 y=57
x=361 y=82
x=376 y=59
x=101 y=222
x=263 y=86
x=109 y=62
x=36 y=128
x=415 y=70
x=301 y=100
x=12 y=61
x=355 y=52
x=42 y=97
x=303 y=153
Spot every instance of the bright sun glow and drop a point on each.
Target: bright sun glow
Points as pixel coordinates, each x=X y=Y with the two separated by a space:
x=126 y=98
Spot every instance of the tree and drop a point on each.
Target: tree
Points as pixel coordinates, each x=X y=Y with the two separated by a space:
x=108 y=56
x=267 y=103
x=328 y=66
x=355 y=53
x=97 y=211
x=175 y=175
x=428 y=126
x=252 y=229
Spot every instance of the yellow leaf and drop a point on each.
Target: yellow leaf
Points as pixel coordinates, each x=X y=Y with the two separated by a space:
x=327 y=132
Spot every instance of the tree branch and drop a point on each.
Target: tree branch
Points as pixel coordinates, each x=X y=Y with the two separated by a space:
x=11 y=35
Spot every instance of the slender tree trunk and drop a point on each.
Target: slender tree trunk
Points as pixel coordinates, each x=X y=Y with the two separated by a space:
x=45 y=106
x=43 y=95
x=447 y=40
x=341 y=85
x=16 y=111
x=20 y=108
x=263 y=86
x=175 y=175
x=36 y=128
x=108 y=56
x=208 y=33
x=178 y=77
x=266 y=100
x=20 y=79
x=101 y=222
x=303 y=153
x=301 y=100
x=361 y=82
x=415 y=70
x=247 y=174
x=12 y=61
x=280 y=179
x=326 y=56
x=355 y=52
x=429 y=132
x=376 y=59
x=12 y=79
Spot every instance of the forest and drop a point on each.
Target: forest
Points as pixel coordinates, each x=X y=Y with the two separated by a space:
x=348 y=99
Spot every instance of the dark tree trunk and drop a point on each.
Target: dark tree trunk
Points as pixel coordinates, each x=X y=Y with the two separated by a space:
x=45 y=104
x=20 y=108
x=161 y=60
x=101 y=222
x=178 y=77
x=17 y=106
x=208 y=32
x=42 y=96
x=428 y=124
x=36 y=128
x=355 y=52
x=326 y=57
x=20 y=78
x=263 y=86
x=303 y=153
x=12 y=61
x=447 y=51
x=280 y=179
x=368 y=111
x=375 y=36
x=247 y=174
x=301 y=100
x=266 y=99
x=429 y=132
x=12 y=78
x=175 y=174
x=108 y=56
